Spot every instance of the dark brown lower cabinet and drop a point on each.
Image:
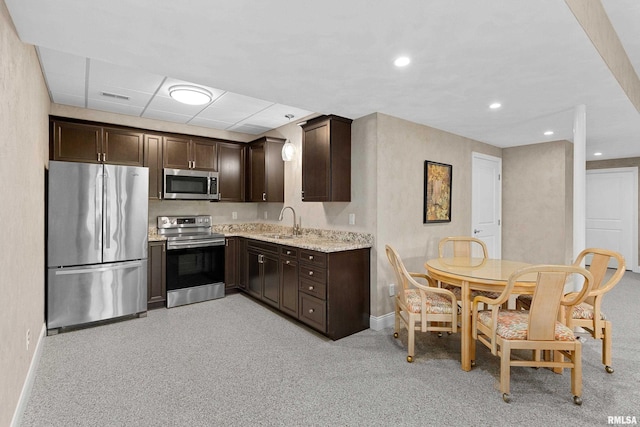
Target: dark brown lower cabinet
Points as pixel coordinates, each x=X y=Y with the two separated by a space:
x=231 y=262
x=327 y=291
x=289 y=281
x=156 y=275
x=263 y=275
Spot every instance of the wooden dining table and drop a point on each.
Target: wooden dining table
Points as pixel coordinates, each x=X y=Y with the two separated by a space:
x=476 y=274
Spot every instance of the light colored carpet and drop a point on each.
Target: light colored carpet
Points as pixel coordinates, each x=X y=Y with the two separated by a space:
x=233 y=362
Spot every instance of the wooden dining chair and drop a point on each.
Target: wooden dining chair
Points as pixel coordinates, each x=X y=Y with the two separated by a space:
x=588 y=315
x=537 y=329
x=425 y=308
x=463 y=247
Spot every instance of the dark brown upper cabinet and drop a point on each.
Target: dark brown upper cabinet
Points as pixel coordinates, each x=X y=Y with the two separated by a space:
x=326 y=159
x=80 y=142
x=153 y=160
x=186 y=153
x=265 y=178
x=231 y=169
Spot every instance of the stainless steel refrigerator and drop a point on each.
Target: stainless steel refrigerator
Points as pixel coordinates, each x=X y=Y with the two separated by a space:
x=97 y=232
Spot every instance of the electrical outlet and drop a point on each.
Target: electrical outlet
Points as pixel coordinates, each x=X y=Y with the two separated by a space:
x=352 y=219
x=392 y=289
x=28 y=338
x=234 y=215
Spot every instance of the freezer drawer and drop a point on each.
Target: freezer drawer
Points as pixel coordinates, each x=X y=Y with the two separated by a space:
x=85 y=294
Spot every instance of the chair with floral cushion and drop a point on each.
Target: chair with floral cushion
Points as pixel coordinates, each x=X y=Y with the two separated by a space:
x=463 y=247
x=425 y=308
x=588 y=315
x=537 y=329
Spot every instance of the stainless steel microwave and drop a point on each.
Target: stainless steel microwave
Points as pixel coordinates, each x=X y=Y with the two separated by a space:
x=188 y=184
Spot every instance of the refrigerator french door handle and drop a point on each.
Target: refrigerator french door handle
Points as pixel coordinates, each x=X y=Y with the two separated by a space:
x=98 y=211
x=107 y=201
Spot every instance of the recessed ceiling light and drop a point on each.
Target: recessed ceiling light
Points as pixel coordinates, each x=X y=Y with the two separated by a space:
x=597 y=153
x=548 y=133
x=402 y=61
x=191 y=95
x=495 y=105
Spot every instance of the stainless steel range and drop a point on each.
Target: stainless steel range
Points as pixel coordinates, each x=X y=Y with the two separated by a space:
x=195 y=259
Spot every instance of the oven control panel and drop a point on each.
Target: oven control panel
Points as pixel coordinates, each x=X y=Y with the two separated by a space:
x=184 y=221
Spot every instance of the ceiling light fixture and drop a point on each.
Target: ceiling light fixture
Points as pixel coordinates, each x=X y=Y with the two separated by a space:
x=402 y=61
x=495 y=105
x=597 y=153
x=191 y=95
x=548 y=133
x=288 y=149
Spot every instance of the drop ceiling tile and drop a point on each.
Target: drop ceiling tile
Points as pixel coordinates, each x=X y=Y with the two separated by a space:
x=65 y=73
x=250 y=129
x=165 y=115
x=274 y=116
x=66 y=99
x=215 y=124
x=123 y=78
x=115 y=107
x=232 y=108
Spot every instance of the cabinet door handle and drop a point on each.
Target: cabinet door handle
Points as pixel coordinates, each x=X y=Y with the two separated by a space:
x=264 y=197
x=311 y=257
x=99 y=157
x=310 y=288
x=311 y=273
x=104 y=157
x=288 y=252
x=288 y=262
x=194 y=164
x=311 y=310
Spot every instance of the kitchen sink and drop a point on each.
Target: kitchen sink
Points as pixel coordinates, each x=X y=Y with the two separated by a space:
x=280 y=236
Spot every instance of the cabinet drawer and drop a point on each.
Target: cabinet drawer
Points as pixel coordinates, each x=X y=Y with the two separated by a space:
x=313 y=312
x=312 y=257
x=313 y=273
x=262 y=246
x=318 y=290
x=289 y=251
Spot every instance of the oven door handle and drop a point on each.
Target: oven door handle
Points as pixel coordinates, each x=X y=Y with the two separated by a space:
x=195 y=244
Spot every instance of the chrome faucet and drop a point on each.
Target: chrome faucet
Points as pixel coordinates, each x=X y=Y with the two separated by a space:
x=296 y=226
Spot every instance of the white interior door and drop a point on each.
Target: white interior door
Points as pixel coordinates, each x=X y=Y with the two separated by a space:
x=486 y=202
x=612 y=211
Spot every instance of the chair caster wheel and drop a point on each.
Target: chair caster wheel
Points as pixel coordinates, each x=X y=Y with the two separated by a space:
x=410 y=359
x=506 y=397
x=395 y=335
x=609 y=369
x=577 y=400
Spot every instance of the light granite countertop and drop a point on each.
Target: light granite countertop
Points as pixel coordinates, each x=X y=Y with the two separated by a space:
x=313 y=239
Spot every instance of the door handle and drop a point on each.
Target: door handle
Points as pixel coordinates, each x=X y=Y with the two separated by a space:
x=107 y=200
x=475 y=231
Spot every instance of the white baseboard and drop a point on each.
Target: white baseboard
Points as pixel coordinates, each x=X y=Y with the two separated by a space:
x=28 y=382
x=382 y=322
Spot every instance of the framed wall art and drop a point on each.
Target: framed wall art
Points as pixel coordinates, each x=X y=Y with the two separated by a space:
x=437 y=192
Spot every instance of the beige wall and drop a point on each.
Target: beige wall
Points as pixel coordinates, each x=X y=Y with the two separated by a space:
x=24 y=105
x=633 y=162
x=402 y=147
x=537 y=194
